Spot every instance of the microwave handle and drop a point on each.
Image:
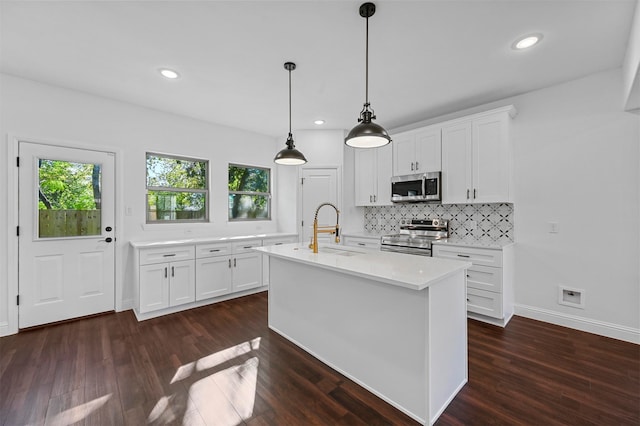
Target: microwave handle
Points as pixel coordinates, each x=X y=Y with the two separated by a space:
x=424 y=186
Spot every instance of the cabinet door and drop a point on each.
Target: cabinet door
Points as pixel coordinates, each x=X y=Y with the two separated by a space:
x=404 y=154
x=247 y=271
x=365 y=177
x=154 y=287
x=456 y=164
x=182 y=282
x=491 y=159
x=428 y=150
x=213 y=277
x=384 y=170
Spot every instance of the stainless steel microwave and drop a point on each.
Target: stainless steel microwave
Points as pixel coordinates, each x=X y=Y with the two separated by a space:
x=416 y=188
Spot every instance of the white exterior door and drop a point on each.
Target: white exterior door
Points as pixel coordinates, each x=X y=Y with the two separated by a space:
x=319 y=186
x=66 y=248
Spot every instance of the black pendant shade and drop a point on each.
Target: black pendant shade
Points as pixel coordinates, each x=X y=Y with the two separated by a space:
x=290 y=156
x=367 y=134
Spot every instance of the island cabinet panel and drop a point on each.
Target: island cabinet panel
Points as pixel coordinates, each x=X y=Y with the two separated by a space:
x=407 y=346
x=489 y=280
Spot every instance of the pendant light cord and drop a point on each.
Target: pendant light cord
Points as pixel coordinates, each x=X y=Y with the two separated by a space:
x=289 y=102
x=366 y=79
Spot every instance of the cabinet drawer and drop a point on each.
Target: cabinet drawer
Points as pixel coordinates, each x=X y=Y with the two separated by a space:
x=484 y=303
x=279 y=241
x=246 y=246
x=477 y=256
x=373 y=243
x=485 y=278
x=166 y=254
x=212 y=249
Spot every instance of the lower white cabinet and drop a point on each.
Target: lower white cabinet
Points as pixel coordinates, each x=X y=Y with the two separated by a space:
x=166 y=284
x=489 y=280
x=265 y=259
x=190 y=274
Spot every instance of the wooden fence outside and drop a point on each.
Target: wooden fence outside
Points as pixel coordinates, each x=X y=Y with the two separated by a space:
x=68 y=223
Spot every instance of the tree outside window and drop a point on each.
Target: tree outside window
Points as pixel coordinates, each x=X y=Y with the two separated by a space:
x=177 y=189
x=249 y=193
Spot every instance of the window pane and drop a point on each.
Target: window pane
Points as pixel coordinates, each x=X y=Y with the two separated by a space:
x=248 y=206
x=248 y=179
x=69 y=198
x=172 y=206
x=176 y=173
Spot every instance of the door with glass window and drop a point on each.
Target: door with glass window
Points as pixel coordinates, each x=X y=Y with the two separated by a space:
x=66 y=235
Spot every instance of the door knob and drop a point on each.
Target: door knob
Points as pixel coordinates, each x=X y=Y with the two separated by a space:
x=108 y=229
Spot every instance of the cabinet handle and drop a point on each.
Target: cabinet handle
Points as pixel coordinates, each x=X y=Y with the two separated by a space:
x=474 y=193
x=173 y=272
x=278 y=244
x=229 y=263
x=468 y=300
x=375 y=198
x=248 y=247
x=417 y=166
x=165 y=272
x=213 y=250
x=463 y=255
x=361 y=244
x=467 y=194
x=168 y=255
x=412 y=166
x=370 y=199
x=234 y=262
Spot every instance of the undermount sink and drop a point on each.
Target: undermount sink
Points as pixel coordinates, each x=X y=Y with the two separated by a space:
x=337 y=251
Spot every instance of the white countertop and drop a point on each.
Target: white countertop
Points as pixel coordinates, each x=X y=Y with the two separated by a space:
x=496 y=245
x=403 y=270
x=202 y=240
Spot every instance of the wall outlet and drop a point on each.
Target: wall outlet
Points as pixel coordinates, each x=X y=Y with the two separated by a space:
x=553 y=227
x=571 y=296
x=128 y=211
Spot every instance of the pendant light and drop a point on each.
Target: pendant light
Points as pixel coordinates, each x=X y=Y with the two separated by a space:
x=367 y=134
x=290 y=155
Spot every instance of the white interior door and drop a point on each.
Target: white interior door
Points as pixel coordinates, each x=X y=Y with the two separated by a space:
x=66 y=249
x=319 y=186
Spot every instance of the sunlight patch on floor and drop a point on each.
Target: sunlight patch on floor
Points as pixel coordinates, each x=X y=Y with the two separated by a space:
x=79 y=412
x=225 y=397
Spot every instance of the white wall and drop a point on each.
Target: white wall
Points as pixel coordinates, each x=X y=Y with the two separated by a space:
x=34 y=110
x=576 y=163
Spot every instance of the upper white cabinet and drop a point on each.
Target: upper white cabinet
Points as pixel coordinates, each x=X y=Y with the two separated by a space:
x=476 y=158
x=373 y=170
x=417 y=151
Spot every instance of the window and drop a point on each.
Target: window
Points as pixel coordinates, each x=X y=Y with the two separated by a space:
x=249 y=193
x=177 y=189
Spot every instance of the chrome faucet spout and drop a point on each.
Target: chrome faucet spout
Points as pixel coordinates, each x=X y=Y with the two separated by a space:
x=331 y=230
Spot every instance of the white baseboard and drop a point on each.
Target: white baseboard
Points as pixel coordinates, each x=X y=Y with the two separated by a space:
x=4 y=329
x=615 y=331
x=126 y=305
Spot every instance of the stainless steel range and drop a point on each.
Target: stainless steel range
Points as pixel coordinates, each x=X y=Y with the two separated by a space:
x=416 y=237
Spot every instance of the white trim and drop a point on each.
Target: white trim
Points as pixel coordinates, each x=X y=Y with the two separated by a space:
x=13 y=141
x=339 y=200
x=614 y=331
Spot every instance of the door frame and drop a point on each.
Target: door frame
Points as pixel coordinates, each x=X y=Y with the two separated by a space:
x=13 y=216
x=340 y=203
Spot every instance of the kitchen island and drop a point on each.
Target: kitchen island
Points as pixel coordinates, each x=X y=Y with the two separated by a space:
x=394 y=323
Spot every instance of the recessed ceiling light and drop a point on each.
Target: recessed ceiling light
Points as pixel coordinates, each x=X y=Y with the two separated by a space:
x=167 y=73
x=527 y=41
x=319 y=122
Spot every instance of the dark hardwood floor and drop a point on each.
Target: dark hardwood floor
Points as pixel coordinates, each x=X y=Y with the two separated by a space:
x=221 y=365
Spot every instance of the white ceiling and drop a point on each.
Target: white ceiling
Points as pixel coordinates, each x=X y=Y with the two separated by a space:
x=427 y=58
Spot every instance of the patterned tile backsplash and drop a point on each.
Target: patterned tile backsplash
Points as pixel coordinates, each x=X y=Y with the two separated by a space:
x=472 y=222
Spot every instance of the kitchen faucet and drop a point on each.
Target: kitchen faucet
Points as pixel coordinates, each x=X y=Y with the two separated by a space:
x=324 y=229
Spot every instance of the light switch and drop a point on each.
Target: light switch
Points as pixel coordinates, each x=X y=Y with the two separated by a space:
x=553 y=227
